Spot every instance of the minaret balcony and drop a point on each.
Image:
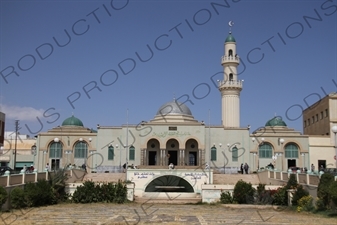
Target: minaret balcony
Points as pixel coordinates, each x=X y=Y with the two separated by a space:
x=230 y=59
x=232 y=84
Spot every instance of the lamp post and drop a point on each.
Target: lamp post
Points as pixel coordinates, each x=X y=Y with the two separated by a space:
x=334 y=130
x=258 y=148
x=224 y=167
x=281 y=141
x=274 y=158
x=92 y=159
x=44 y=156
x=120 y=158
x=33 y=150
x=56 y=140
x=67 y=152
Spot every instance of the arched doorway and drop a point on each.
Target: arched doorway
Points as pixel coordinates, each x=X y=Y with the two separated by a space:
x=192 y=156
x=153 y=152
x=169 y=183
x=172 y=148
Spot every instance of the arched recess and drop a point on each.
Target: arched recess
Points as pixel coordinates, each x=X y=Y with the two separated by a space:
x=172 y=149
x=230 y=52
x=230 y=77
x=153 y=152
x=191 y=154
x=55 y=154
x=169 y=183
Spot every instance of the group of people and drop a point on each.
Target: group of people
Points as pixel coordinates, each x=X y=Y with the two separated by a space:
x=29 y=169
x=244 y=168
x=129 y=166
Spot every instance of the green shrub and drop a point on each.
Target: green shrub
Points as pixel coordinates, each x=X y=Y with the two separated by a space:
x=281 y=196
x=298 y=194
x=58 y=184
x=305 y=204
x=121 y=192
x=18 y=198
x=3 y=196
x=90 y=192
x=323 y=192
x=39 y=194
x=260 y=188
x=85 y=193
x=226 y=198
x=333 y=192
x=320 y=205
x=292 y=182
x=263 y=196
x=243 y=192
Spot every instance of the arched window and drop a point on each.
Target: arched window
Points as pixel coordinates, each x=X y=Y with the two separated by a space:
x=81 y=150
x=235 y=154
x=213 y=153
x=265 y=151
x=230 y=52
x=230 y=77
x=55 y=150
x=132 y=153
x=291 y=151
x=111 y=153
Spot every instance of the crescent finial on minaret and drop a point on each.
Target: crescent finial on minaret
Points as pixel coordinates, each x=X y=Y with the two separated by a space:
x=230 y=23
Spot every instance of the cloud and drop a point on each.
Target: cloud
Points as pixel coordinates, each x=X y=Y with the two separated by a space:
x=22 y=113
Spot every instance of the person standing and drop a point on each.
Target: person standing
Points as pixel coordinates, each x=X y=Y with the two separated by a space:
x=241 y=168
x=246 y=167
x=312 y=168
x=47 y=167
x=84 y=167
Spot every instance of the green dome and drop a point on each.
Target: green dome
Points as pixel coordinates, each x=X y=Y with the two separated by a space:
x=230 y=38
x=276 y=122
x=72 y=121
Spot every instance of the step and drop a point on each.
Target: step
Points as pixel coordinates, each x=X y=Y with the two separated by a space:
x=168 y=201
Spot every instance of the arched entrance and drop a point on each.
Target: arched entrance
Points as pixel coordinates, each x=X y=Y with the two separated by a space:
x=172 y=148
x=169 y=183
x=153 y=149
x=192 y=153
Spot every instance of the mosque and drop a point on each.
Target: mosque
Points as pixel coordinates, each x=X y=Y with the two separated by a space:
x=196 y=151
x=175 y=136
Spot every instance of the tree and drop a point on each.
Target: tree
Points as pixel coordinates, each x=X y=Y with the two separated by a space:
x=3 y=196
x=323 y=189
x=243 y=192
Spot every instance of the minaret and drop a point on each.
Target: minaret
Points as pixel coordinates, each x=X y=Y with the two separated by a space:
x=230 y=87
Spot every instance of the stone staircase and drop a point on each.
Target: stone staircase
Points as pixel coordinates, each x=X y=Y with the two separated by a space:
x=105 y=177
x=169 y=198
x=234 y=178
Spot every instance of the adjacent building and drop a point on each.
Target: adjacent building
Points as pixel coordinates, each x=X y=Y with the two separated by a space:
x=318 y=122
x=18 y=151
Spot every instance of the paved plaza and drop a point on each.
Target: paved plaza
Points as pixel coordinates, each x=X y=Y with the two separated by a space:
x=159 y=214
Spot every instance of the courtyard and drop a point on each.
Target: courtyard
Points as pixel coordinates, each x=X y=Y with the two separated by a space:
x=147 y=213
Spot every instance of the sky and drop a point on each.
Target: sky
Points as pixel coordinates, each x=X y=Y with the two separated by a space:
x=116 y=62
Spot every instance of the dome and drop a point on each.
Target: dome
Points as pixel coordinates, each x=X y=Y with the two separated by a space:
x=230 y=38
x=174 y=108
x=276 y=121
x=72 y=121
